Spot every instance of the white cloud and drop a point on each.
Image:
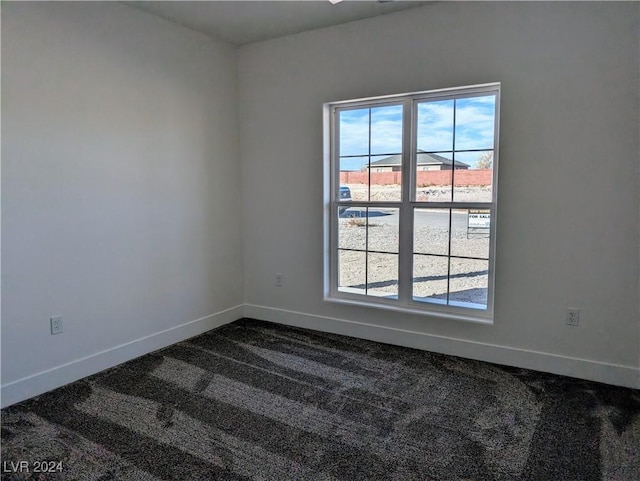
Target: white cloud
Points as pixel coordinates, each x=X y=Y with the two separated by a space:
x=475 y=123
x=435 y=126
x=386 y=131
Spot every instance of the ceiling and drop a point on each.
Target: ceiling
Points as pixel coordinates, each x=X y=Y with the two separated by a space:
x=241 y=22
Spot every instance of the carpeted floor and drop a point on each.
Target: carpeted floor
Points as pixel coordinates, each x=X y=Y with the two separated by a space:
x=260 y=401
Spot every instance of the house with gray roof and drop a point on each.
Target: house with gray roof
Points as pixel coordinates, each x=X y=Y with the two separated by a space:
x=426 y=161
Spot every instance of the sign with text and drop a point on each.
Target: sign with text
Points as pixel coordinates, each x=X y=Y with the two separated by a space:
x=479 y=219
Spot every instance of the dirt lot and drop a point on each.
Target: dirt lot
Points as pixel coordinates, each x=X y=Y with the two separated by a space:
x=392 y=193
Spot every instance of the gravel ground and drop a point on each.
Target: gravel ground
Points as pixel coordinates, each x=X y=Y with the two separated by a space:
x=392 y=193
x=468 y=279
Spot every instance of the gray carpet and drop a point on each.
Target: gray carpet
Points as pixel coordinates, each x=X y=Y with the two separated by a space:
x=259 y=401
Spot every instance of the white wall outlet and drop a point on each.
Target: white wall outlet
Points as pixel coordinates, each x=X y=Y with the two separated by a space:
x=573 y=316
x=56 y=324
x=279 y=279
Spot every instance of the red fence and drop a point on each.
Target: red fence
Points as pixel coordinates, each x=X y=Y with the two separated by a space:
x=425 y=177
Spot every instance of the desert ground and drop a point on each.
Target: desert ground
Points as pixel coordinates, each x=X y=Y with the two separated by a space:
x=369 y=244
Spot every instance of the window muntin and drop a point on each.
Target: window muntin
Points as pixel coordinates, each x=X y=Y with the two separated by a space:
x=418 y=231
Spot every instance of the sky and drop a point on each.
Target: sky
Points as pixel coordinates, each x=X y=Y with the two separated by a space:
x=474 y=123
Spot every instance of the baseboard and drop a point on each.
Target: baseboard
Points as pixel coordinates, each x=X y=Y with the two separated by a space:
x=619 y=375
x=58 y=376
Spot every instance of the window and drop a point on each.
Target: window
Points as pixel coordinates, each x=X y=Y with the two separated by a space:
x=416 y=231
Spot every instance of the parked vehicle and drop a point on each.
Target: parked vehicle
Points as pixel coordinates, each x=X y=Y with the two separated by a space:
x=345 y=195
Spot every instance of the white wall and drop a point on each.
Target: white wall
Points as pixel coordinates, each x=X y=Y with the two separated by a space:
x=120 y=188
x=569 y=173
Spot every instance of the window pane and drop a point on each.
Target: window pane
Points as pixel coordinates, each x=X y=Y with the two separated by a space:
x=382 y=275
x=473 y=176
x=431 y=231
x=475 y=122
x=355 y=165
x=383 y=230
x=469 y=283
x=355 y=177
x=386 y=130
x=430 y=278
x=386 y=178
x=470 y=233
x=434 y=177
x=352 y=230
x=354 y=132
x=352 y=271
x=435 y=126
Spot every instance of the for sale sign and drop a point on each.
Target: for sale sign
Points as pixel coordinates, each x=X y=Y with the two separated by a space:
x=479 y=219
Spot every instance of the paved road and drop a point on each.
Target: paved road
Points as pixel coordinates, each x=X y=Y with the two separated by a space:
x=423 y=217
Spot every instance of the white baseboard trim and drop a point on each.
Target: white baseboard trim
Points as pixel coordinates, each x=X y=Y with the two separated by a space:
x=58 y=376
x=627 y=376
x=39 y=383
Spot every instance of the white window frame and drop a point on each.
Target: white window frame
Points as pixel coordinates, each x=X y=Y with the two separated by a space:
x=404 y=302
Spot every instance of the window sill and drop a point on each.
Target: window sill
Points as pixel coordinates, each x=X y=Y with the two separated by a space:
x=407 y=309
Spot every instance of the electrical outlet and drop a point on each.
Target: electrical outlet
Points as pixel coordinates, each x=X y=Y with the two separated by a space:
x=56 y=324
x=279 y=278
x=573 y=316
